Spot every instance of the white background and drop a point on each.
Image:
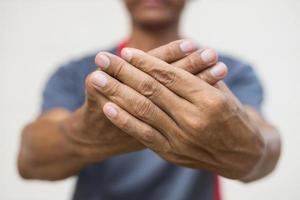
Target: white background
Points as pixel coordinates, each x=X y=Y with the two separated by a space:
x=38 y=35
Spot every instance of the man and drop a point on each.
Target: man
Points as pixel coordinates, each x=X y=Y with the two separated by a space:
x=156 y=125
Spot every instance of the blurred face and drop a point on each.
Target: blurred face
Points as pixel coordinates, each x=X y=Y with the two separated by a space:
x=155 y=12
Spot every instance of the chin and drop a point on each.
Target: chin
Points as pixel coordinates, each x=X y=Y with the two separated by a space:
x=154 y=18
x=155 y=12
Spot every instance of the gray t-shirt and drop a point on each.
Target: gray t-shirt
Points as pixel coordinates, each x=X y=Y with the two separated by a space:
x=142 y=174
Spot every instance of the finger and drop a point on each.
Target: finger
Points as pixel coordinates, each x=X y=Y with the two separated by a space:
x=95 y=102
x=177 y=80
x=136 y=128
x=94 y=99
x=133 y=102
x=144 y=84
x=214 y=74
x=197 y=61
x=174 y=51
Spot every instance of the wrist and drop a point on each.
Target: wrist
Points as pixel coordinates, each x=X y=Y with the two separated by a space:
x=75 y=134
x=257 y=166
x=261 y=142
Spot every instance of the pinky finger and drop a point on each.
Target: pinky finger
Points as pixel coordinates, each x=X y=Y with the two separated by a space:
x=141 y=131
x=214 y=74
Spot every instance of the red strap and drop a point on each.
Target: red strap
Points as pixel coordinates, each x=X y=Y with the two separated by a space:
x=217 y=188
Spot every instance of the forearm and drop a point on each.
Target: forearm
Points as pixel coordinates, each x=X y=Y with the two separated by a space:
x=271 y=155
x=46 y=153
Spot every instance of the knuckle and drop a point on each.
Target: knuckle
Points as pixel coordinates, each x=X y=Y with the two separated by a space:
x=112 y=89
x=221 y=101
x=139 y=61
x=118 y=67
x=193 y=63
x=124 y=124
x=170 y=53
x=149 y=88
x=165 y=148
x=148 y=136
x=202 y=76
x=194 y=123
x=150 y=139
x=217 y=102
x=143 y=108
x=165 y=77
x=205 y=76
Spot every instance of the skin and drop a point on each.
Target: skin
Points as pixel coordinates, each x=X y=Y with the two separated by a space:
x=109 y=124
x=209 y=129
x=75 y=140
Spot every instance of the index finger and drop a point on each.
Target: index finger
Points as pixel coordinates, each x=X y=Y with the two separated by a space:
x=174 y=51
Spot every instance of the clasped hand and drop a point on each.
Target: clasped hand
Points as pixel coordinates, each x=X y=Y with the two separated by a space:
x=181 y=117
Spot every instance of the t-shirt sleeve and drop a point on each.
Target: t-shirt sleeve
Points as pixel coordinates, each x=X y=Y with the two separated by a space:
x=61 y=90
x=244 y=82
x=246 y=86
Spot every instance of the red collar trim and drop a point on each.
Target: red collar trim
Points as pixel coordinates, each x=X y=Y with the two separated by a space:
x=120 y=46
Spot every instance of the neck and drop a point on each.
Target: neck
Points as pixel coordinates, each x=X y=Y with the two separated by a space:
x=146 y=38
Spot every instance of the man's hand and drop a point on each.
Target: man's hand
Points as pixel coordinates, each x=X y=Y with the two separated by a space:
x=181 y=117
x=96 y=136
x=77 y=139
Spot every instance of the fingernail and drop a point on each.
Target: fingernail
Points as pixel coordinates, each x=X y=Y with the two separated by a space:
x=103 y=61
x=219 y=70
x=99 y=79
x=187 y=46
x=126 y=54
x=208 y=55
x=110 y=111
